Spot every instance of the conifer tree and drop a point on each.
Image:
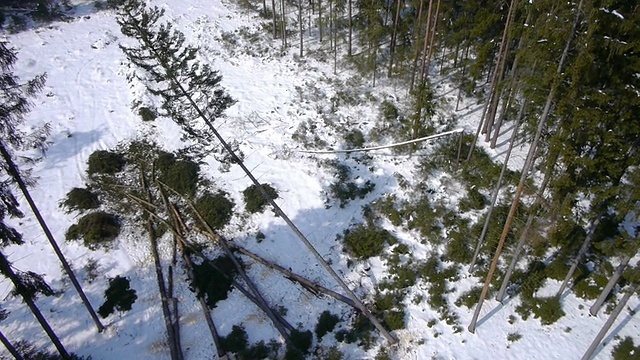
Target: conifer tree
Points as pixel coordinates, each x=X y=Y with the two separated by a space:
x=15 y=105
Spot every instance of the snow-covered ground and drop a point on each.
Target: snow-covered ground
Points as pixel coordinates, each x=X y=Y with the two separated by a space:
x=87 y=100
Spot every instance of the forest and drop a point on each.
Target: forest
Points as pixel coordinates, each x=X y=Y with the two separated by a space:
x=518 y=181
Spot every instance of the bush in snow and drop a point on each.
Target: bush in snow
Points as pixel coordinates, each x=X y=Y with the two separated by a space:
x=253 y=199
x=147 y=114
x=366 y=241
x=236 y=342
x=95 y=229
x=326 y=323
x=213 y=282
x=117 y=296
x=216 y=209
x=80 y=199
x=625 y=350
x=105 y=162
x=181 y=175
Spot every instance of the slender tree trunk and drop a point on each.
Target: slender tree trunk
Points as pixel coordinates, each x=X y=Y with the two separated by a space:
x=433 y=35
x=8 y=272
x=607 y=289
x=320 y=18
x=496 y=190
x=301 y=29
x=174 y=341
x=275 y=22
x=394 y=35
x=264 y=7
x=581 y=253
x=525 y=232
x=9 y=346
x=350 y=30
x=426 y=43
x=417 y=37
x=14 y=172
x=612 y=318
x=284 y=25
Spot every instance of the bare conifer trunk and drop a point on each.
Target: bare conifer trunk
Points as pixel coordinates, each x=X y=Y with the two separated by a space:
x=9 y=346
x=607 y=289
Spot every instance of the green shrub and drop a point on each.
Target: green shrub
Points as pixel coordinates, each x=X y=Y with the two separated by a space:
x=95 y=229
x=147 y=114
x=366 y=241
x=258 y=351
x=180 y=175
x=216 y=209
x=326 y=323
x=347 y=191
x=626 y=350
x=513 y=337
x=254 y=201
x=354 y=139
x=473 y=201
x=469 y=298
x=360 y=331
x=549 y=310
x=389 y=112
x=80 y=199
x=237 y=340
x=118 y=295
x=302 y=340
x=394 y=319
x=105 y=162
x=459 y=247
x=213 y=279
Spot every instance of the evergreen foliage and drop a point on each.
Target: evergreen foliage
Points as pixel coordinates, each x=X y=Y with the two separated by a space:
x=118 y=296
x=237 y=340
x=366 y=241
x=80 y=199
x=95 y=229
x=105 y=162
x=254 y=201
x=216 y=209
x=326 y=324
x=625 y=350
x=213 y=279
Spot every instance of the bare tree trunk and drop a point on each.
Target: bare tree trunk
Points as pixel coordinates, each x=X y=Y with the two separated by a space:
x=9 y=346
x=174 y=341
x=581 y=253
x=612 y=318
x=320 y=18
x=607 y=289
x=14 y=172
x=525 y=232
x=433 y=35
x=284 y=25
x=426 y=43
x=496 y=190
x=350 y=30
x=394 y=35
x=417 y=37
x=275 y=23
x=301 y=29
x=525 y=170
x=8 y=272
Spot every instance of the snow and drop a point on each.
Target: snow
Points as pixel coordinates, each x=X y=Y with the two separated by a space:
x=88 y=102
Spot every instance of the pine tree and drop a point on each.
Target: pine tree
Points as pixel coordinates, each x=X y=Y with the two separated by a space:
x=15 y=105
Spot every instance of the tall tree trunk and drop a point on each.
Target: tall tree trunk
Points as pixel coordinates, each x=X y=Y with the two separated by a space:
x=284 y=25
x=433 y=35
x=14 y=172
x=525 y=232
x=583 y=250
x=612 y=318
x=320 y=18
x=496 y=190
x=9 y=346
x=427 y=33
x=416 y=40
x=301 y=29
x=394 y=35
x=607 y=289
x=8 y=272
x=486 y=109
x=350 y=30
x=525 y=171
x=275 y=22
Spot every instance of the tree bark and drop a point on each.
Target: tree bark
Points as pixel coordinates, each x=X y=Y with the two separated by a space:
x=426 y=43
x=612 y=318
x=607 y=289
x=417 y=37
x=433 y=35
x=496 y=190
x=9 y=346
x=581 y=253
x=275 y=23
x=394 y=35
x=14 y=172
x=301 y=30
x=8 y=272
x=350 y=30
